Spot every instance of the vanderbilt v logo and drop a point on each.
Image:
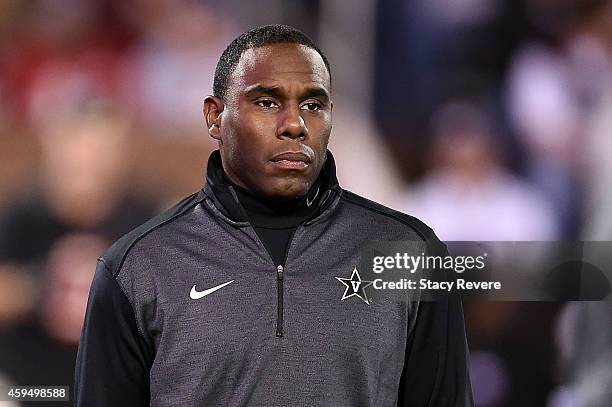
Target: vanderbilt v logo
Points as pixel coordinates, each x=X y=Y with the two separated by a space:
x=357 y=285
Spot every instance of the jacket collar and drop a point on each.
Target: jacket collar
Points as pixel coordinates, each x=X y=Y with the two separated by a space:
x=225 y=199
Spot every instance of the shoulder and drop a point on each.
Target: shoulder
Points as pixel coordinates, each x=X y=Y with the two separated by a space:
x=378 y=212
x=114 y=257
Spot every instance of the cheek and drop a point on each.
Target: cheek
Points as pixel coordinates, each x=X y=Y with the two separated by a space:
x=261 y=128
x=251 y=127
x=319 y=131
x=318 y=124
x=245 y=142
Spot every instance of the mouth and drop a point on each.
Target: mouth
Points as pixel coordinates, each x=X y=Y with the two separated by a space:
x=291 y=160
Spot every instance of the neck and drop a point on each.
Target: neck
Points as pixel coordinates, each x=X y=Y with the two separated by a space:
x=231 y=199
x=275 y=213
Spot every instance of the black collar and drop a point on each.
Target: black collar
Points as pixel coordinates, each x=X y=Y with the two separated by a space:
x=227 y=197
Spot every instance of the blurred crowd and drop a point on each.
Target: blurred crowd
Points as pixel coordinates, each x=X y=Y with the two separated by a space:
x=489 y=119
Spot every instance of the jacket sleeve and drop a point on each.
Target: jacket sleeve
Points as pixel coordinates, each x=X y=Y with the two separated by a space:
x=113 y=360
x=436 y=366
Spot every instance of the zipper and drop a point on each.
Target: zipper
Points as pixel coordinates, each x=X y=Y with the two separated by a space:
x=280 y=270
x=279 y=293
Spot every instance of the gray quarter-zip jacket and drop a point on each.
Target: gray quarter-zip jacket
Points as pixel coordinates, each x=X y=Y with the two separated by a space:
x=190 y=310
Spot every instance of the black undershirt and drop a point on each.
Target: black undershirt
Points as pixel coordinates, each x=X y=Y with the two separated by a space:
x=275 y=222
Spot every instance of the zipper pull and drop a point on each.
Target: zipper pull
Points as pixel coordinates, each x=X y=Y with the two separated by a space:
x=279 y=272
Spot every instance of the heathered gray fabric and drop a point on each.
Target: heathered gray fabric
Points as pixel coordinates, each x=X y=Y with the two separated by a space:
x=221 y=350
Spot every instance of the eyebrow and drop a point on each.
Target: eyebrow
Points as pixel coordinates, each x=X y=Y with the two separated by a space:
x=277 y=92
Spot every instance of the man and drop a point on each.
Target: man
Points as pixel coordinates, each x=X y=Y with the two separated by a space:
x=233 y=296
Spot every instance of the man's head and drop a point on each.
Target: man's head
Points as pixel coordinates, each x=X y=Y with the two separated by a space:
x=271 y=111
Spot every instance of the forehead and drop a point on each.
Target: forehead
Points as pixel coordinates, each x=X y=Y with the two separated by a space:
x=280 y=64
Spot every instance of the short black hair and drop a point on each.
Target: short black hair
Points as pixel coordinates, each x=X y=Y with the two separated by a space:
x=258 y=37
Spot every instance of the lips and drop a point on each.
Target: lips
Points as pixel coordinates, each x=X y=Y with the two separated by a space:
x=291 y=160
x=292 y=156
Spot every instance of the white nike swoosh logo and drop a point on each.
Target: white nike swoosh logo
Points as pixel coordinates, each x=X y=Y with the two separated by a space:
x=310 y=201
x=196 y=295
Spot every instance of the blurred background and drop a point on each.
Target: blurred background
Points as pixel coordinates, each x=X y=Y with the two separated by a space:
x=488 y=119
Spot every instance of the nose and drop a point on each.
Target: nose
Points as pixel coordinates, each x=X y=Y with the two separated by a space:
x=292 y=124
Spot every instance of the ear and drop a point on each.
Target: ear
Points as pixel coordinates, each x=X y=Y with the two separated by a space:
x=213 y=107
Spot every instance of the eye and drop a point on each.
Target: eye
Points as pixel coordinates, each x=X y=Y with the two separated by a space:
x=312 y=106
x=266 y=103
